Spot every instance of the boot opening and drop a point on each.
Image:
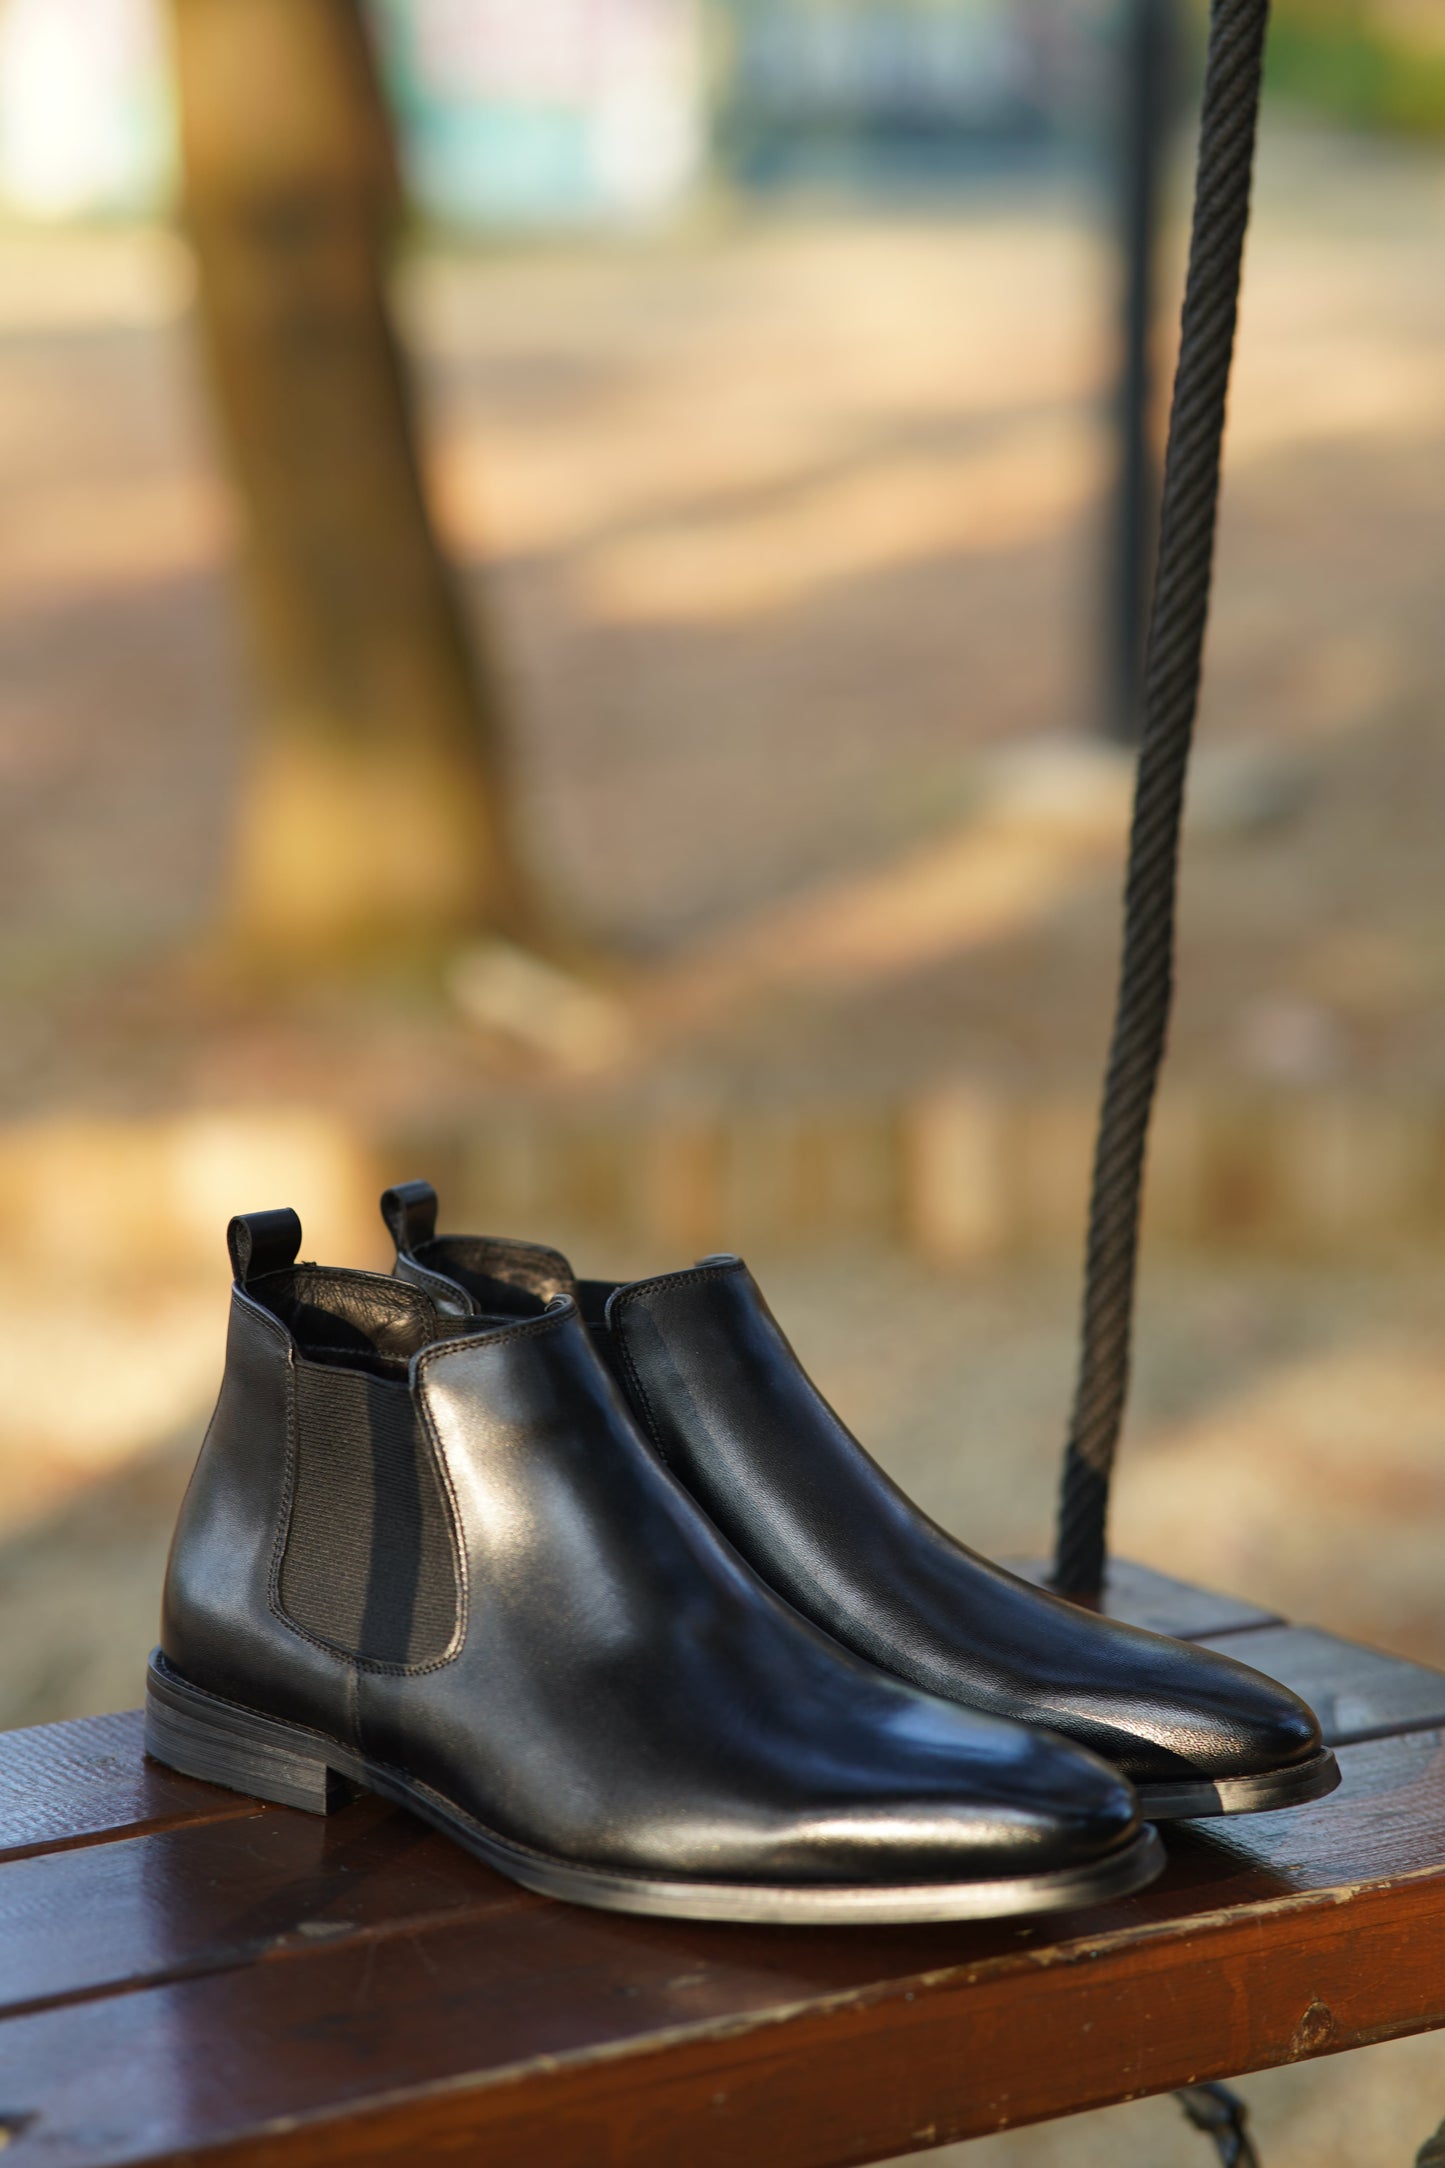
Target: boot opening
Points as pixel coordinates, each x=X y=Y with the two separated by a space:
x=360 y=1320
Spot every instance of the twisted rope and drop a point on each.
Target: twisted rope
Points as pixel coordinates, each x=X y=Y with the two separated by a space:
x=1222 y=2116
x=1171 y=691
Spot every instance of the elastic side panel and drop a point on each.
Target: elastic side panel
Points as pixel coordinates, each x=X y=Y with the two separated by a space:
x=369 y=1563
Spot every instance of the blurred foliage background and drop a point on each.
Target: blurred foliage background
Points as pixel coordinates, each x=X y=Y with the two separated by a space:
x=1374 y=63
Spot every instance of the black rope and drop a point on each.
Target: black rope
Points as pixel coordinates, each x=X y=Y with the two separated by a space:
x=1222 y=2116
x=1171 y=691
x=1432 y=2152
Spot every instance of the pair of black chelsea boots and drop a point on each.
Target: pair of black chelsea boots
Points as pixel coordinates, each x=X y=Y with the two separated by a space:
x=591 y=1577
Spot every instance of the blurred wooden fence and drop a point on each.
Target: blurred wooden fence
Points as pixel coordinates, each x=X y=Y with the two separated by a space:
x=959 y=1176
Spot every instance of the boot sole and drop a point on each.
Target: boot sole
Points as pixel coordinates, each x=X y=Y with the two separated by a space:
x=204 y=1736
x=1199 y=1798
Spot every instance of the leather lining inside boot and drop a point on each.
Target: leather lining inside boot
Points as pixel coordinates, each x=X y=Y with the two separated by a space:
x=357 y=1319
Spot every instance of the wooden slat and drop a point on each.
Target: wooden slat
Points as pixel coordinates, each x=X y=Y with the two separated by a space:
x=1356 y=1692
x=1142 y=1596
x=543 y=2031
x=212 y=1897
x=86 y=1782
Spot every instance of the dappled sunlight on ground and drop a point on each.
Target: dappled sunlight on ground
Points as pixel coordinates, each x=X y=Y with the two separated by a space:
x=1026 y=487
x=997 y=873
x=1318 y=1489
x=839 y=480
x=93 y=1380
x=114 y=1278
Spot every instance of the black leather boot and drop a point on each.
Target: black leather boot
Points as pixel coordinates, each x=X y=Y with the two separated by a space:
x=437 y=1559
x=735 y=1417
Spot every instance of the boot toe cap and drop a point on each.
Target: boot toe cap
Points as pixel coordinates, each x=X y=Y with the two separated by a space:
x=1044 y=1806
x=1224 y=1719
x=1267 y=1726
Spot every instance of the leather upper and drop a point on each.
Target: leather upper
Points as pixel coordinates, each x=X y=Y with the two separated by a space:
x=622 y=1689
x=736 y=1418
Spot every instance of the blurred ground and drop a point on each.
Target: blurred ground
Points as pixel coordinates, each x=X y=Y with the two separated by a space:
x=789 y=534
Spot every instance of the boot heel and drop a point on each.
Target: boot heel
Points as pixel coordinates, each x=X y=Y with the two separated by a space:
x=204 y=1737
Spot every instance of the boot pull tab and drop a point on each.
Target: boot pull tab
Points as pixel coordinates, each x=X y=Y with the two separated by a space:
x=262 y=1242
x=410 y=1212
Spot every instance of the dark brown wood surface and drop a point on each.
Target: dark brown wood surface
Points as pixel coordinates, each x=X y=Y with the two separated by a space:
x=73 y=1784
x=185 y=1971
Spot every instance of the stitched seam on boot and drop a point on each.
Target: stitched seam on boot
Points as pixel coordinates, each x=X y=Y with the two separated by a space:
x=643 y=1287
x=648 y=1415
x=288 y=1494
x=694 y=1275
x=460 y=1563
x=494 y=1338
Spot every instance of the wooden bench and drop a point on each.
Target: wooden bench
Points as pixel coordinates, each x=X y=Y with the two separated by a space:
x=185 y=1971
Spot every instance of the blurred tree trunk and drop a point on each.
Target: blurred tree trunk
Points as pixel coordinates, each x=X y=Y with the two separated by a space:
x=373 y=814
